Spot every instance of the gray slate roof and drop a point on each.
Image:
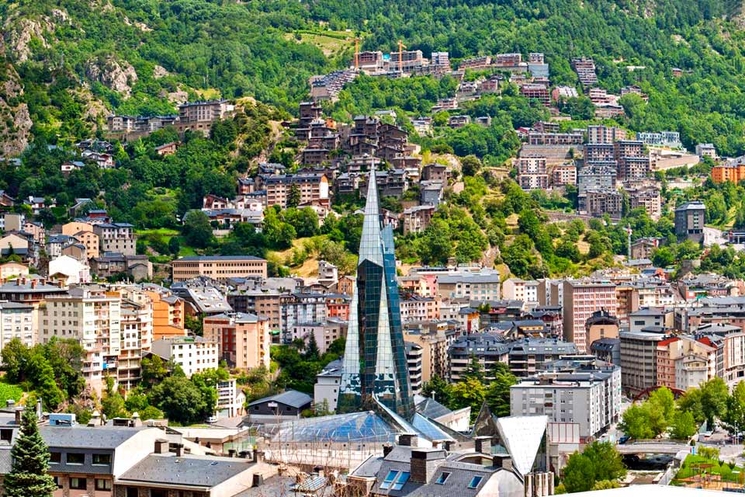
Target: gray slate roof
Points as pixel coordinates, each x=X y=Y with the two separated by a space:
x=292 y=398
x=83 y=437
x=196 y=471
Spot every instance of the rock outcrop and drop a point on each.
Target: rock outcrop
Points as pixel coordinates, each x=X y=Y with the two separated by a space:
x=118 y=75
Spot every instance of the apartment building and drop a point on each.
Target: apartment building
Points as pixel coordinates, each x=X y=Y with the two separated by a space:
x=683 y=362
x=17 y=321
x=311 y=187
x=599 y=203
x=414 y=366
x=199 y=116
x=193 y=354
x=168 y=312
x=265 y=303
x=243 y=339
x=647 y=197
x=564 y=174
x=480 y=286
x=668 y=139
x=299 y=308
x=218 y=267
x=530 y=356
x=434 y=344
x=602 y=324
x=523 y=290
x=83 y=233
x=532 y=173
x=639 y=360
x=416 y=219
x=417 y=308
x=586 y=392
x=325 y=333
x=91 y=316
x=540 y=138
x=581 y=298
x=116 y=237
x=136 y=336
x=536 y=91
x=690 y=219
x=487 y=348
x=604 y=134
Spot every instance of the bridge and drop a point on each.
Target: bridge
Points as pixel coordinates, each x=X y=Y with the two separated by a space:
x=670 y=447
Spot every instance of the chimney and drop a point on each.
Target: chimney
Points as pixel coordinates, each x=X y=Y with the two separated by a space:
x=449 y=445
x=483 y=445
x=231 y=453
x=502 y=461
x=19 y=415
x=179 y=450
x=387 y=448
x=258 y=456
x=407 y=439
x=161 y=446
x=10 y=403
x=33 y=284
x=424 y=462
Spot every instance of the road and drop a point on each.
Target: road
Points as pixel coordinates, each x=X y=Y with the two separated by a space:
x=713 y=236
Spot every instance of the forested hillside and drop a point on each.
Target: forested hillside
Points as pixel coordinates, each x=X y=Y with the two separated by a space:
x=70 y=62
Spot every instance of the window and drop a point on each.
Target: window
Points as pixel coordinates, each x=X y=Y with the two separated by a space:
x=103 y=459
x=475 y=481
x=403 y=477
x=389 y=479
x=102 y=484
x=78 y=484
x=75 y=458
x=55 y=457
x=443 y=478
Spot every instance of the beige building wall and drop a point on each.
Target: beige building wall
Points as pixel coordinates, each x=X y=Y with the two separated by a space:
x=218 y=268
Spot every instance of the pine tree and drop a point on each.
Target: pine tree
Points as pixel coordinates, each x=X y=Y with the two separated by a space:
x=28 y=476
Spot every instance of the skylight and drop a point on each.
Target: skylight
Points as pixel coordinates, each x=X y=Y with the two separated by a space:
x=475 y=481
x=390 y=477
x=403 y=477
x=443 y=478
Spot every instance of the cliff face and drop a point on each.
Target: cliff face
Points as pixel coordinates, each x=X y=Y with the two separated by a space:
x=115 y=74
x=15 y=120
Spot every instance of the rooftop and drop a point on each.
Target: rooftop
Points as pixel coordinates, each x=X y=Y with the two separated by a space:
x=193 y=471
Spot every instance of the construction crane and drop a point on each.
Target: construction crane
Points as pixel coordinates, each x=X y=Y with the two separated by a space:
x=401 y=47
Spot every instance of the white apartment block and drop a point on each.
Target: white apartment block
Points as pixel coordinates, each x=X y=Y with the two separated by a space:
x=137 y=339
x=230 y=399
x=481 y=286
x=523 y=290
x=91 y=316
x=193 y=354
x=590 y=398
x=532 y=173
x=17 y=321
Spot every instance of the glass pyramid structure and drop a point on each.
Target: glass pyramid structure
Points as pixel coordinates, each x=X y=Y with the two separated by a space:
x=374 y=364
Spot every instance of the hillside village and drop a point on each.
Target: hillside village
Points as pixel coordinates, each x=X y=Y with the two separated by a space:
x=305 y=264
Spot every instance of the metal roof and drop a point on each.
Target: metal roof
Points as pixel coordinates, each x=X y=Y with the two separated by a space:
x=194 y=471
x=291 y=398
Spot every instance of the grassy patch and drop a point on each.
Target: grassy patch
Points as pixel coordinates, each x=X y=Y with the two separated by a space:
x=329 y=42
x=9 y=391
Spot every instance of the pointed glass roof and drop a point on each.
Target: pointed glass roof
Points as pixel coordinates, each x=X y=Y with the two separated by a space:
x=522 y=435
x=371 y=247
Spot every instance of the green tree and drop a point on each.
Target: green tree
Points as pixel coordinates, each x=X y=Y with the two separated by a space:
x=197 y=230
x=438 y=389
x=470 y=165
x=15 y=360
x=579 y=474
x=180 y=400
x=636 y=423
x=29 y=475
x=498 y=391
x=714 y=395
x=293 y=196
x=683 y=426
x=112 y=404
x=468 y=393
